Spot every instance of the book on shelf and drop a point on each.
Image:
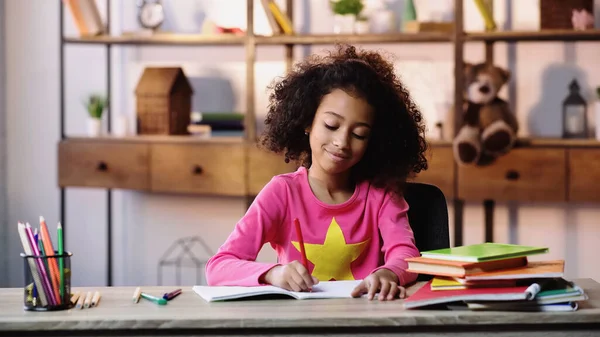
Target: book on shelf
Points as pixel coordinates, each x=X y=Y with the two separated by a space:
x=86 y=17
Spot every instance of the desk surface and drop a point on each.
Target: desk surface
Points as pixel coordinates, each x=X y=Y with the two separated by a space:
x=188 y=311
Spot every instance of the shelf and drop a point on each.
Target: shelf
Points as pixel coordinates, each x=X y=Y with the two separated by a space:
x=557 y=142
x=521 y=142
x=542 y=35
x=160 y=39
x=352 y=38
x=159 y=139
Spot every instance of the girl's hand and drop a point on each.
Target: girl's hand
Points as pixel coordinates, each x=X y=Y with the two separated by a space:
x=383 y=280
x=292 y=276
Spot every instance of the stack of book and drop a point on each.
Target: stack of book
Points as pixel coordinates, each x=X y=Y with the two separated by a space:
x=493 y=276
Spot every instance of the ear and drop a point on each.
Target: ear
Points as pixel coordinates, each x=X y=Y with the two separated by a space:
x=504 y=74
x=467 y=69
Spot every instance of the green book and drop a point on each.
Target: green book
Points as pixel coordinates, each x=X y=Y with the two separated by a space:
x=483 y=252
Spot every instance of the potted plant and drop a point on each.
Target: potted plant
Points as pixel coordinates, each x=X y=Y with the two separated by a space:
x=95 y=105
x=345 y=14
x=361 y=26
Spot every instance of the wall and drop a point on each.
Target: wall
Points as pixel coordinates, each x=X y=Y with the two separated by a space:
x=145 y=225
x=3 y=215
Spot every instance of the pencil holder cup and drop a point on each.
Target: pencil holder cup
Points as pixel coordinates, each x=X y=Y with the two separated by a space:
x=47 y=282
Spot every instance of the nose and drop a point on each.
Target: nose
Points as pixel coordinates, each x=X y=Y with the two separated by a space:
x=340 y=140
x=484 y=89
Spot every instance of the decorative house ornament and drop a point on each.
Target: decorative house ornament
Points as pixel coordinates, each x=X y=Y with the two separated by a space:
x=574 y=113
x=163 y=101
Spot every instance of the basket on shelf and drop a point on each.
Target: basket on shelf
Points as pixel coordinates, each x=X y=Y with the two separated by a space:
x=556 y=14
x=163 y=101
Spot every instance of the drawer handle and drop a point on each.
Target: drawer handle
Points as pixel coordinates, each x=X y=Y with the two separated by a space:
x=197 y=170
x=512 y=175
x=102 y=167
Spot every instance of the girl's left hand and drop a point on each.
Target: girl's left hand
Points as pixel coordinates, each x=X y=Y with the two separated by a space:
x=383 y=280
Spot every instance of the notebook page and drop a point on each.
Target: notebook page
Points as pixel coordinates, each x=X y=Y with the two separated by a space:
x=329 y=289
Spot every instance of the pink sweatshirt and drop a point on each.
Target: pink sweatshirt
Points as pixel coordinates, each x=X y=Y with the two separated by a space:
x=343 y=242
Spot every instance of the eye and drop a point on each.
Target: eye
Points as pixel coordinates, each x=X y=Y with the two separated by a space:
x=330 y=127
x=359 y=136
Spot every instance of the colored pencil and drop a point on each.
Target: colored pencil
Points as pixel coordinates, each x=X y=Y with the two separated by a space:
x=61 y=263
x=32 y=265
x=52 y=265
x=40 y=264
x=301 y=243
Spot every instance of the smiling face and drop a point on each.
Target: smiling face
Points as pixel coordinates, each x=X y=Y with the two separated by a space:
x=339 y=133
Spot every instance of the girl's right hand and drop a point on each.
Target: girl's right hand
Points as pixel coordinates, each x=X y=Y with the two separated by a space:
x=292 y=276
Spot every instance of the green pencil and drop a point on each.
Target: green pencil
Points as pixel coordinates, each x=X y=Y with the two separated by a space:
x=61 y=266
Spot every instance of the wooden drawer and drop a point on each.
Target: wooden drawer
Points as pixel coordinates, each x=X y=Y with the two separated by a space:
x=263 y=166
x=521 y=175
x=440 y=171
x=212 y=169
x=108 y=165
x=584 y=175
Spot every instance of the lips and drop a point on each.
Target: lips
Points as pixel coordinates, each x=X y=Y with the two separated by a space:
x=337 y=157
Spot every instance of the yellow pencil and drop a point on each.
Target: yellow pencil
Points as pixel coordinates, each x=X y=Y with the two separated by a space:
x=75 y=297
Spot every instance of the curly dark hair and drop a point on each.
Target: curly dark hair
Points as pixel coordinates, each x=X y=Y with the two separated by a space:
x=397 y=146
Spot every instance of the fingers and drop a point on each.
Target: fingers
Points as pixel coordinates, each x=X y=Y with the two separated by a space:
x=293 y=286
x=394 y=290
x=300 y=281
x=303 y=277
x=359 y=290
x=385 y=289
x=402 y=291
x=373 y=287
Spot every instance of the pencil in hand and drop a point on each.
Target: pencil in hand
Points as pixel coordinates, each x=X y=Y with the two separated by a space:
x=301 y=243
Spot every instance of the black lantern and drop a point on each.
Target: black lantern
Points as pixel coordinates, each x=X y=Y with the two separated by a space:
x=574 y=113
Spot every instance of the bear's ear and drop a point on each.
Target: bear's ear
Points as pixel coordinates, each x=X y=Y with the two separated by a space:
x=504 y=74
x=467 y=69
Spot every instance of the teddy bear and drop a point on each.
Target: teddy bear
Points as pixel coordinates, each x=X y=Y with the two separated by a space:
x=488 y=127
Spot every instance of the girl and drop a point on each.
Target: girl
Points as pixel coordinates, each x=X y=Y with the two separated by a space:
x=357 y=135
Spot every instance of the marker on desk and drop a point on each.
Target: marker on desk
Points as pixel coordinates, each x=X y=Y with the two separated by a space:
x=137 y=294
x=172 y=295
x=157 y=300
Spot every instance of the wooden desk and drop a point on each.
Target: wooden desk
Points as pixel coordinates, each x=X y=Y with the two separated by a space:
x=189 y=315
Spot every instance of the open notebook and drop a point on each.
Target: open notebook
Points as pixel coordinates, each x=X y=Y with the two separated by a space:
x=325 y=289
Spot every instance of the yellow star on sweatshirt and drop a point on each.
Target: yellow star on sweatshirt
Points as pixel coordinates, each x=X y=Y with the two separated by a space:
x=333 y=258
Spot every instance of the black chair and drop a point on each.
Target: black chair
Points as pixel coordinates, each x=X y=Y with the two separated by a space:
x=428 y=217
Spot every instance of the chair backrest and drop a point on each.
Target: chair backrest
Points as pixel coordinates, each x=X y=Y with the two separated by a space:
x=428 y=217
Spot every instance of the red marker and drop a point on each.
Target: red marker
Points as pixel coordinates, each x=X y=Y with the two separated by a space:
x=172 y=295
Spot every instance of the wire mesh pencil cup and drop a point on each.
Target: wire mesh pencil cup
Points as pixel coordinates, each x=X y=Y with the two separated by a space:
x=47 y=282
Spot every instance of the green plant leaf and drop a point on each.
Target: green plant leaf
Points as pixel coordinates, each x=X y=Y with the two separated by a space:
x=344 y=7
x=95 y=105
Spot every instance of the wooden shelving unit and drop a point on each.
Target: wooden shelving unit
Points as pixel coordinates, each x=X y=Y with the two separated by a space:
x=160 y=39
x=131 y=162
x=535 y=36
